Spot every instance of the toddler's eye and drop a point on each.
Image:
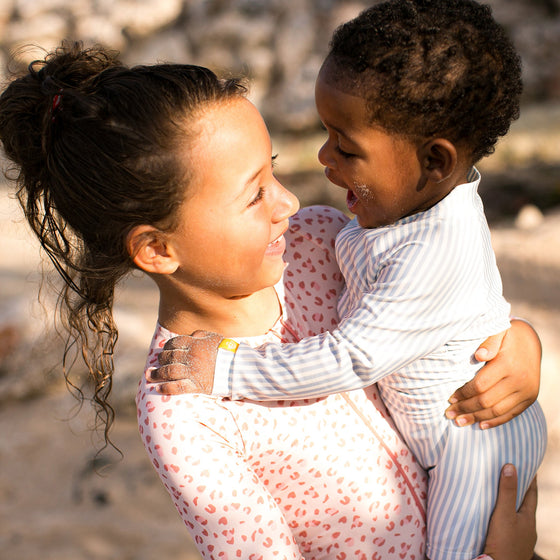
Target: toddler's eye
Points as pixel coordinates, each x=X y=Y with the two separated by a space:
x=343 y=153
x=257 y=198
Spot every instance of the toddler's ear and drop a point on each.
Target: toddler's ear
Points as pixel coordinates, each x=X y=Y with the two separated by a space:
x=439 y=159
x=149 y=250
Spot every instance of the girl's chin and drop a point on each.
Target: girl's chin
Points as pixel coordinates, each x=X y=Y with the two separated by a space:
x=274 y=270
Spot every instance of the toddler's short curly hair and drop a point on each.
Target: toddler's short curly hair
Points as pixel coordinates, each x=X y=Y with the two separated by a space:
x=431 y=68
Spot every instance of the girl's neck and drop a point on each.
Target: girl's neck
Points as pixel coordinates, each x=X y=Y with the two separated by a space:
x=252 y=315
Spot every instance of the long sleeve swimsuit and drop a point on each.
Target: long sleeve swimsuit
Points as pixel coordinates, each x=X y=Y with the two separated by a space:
x=324 y=478
x=421 y=295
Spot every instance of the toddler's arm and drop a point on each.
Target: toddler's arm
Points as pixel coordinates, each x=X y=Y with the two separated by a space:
x=507 y=385
x=407 y=313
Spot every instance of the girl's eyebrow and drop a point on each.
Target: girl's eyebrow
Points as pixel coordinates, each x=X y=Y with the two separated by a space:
x=248 y=183
x=254 y=176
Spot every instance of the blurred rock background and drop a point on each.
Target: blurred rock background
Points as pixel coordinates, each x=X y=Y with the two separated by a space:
x=52 y=504
x=279 y=44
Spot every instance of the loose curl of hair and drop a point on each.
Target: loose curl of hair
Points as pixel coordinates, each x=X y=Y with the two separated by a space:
x=431 y=68
x=94 y=145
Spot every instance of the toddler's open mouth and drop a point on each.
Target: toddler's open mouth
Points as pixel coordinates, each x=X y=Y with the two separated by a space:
x=351 y=199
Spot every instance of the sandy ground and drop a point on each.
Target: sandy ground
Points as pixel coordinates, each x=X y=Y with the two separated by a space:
x=54 y=506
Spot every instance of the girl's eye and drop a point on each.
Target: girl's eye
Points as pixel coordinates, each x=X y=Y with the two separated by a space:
x=258 y=198
x=262 y=190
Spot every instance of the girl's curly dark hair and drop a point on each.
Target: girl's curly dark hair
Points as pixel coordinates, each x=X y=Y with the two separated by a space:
x=95 y=149
x=431 y=67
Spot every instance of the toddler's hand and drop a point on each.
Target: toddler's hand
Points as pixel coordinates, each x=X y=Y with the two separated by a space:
x=186 y=364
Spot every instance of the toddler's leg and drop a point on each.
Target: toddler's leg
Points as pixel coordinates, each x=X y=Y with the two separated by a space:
x=463 y=486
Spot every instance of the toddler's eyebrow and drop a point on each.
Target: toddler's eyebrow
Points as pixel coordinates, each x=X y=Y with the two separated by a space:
x=338 y=131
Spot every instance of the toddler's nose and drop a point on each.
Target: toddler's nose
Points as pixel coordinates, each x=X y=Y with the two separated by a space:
x=325 y=155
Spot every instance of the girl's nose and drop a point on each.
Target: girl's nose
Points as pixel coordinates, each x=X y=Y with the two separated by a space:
x=285 y=205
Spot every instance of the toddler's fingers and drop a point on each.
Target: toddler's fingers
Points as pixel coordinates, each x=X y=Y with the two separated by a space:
x=186 y=341
x=178 y=342
x=492 y=412
x=179 y=355
x=204 y=334
x=481 y=383
x=178 y=387
x=166 y=373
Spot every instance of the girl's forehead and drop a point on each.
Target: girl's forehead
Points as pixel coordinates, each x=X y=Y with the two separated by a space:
x=237 y=114
x=232 y=145
x=220 y=130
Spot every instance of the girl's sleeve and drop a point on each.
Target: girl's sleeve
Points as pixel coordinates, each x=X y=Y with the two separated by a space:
x=226 y=508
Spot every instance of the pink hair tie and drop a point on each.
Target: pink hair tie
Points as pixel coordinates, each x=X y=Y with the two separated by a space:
x=56 y=102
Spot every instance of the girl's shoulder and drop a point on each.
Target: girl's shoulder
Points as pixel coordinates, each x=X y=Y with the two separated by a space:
x=317 y=225
x=312 y=281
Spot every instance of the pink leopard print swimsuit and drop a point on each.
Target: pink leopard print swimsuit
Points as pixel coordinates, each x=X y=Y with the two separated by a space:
x=317 y=479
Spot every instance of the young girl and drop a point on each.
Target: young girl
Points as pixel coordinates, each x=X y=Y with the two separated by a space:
x=168 y=169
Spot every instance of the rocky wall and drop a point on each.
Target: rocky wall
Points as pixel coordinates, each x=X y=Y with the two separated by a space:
x=278 y=44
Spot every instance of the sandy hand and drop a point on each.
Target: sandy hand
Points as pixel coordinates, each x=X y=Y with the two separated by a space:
x=186 y=364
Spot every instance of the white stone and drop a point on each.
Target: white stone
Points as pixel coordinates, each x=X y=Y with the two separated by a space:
x=45 y=30
x=100 y=29
x=171 y=46
x=29 y=9
x=529 y=217
x=141 y=17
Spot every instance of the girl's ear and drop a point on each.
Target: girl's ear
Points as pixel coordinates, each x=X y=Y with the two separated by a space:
x=149 y=250
x=439 y=159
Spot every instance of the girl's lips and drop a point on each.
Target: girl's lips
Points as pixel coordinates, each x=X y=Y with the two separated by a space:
x=276 y=247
